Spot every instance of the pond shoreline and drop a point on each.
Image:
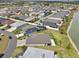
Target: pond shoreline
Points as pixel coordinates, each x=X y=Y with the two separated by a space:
x=71 y=40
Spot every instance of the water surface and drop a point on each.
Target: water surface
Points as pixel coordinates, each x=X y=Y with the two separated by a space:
x=74 y=30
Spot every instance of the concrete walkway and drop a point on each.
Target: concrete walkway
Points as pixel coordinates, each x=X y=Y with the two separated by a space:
x=2 y=27
x=53 y=43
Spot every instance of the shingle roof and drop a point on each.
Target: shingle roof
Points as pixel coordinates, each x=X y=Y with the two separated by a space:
x=29 y=19
x=6 y=21
x=50 y=24
x=25 y=28
x=18 y=24
x=38 y=39
x=32 y=52
x=61 y=14
x=52 y=20
x=22 y=17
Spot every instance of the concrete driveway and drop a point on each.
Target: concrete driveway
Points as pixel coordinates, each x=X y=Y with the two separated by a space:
x=11 y=45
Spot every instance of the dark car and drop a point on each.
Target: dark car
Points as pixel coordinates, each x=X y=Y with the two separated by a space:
x=10 y=37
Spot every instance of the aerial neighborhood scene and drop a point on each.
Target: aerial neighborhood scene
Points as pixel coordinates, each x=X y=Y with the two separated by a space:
x=39 y=29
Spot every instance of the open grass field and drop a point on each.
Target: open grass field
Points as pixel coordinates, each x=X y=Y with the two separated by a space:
x=3 y=43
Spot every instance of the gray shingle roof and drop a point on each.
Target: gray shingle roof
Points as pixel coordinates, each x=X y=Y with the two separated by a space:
x=22 y=17
x=61 y=14
x=18 y=24
x=52 y=20
x=50 y=24
x=26 y=27
x=29 y=19
x=38 y=39
x=32 y=52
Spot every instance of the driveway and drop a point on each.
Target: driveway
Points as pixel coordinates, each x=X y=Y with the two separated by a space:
x=11 y=45
x=21 y=42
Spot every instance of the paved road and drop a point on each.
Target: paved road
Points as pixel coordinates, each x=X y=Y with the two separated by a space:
x=11 y=45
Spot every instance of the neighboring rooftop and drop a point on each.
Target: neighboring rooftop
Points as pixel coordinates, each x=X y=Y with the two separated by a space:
x=18 y=24
x=53 y=21
x=6 y=21
x=50 y=24
x=26 y=27
x=29 y=19
x=61 y=14
x=32 y=52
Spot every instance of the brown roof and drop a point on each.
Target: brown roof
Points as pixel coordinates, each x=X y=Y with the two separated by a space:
x=38 y=39
x=6 y=21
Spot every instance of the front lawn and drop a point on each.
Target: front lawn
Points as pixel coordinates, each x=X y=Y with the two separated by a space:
x=3 y=43
x=19 y=51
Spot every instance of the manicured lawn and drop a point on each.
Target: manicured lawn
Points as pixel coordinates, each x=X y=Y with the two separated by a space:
x=18 y=51
x=3 y=43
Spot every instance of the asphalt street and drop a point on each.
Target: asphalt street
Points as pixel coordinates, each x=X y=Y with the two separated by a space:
x=11 y=45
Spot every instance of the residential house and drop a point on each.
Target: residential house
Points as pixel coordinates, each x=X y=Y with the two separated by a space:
x=29 y=19
x=29 y=29
x=51 y=23
x=59 y=15
x=38 y=40
x=4 y=21
x=18 y=24
x=32 y=52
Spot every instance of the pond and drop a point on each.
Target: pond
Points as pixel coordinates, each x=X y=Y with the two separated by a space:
x=74 y=30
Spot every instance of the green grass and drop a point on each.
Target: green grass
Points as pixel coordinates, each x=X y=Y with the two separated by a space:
x=18 y=51
x=17 y=31
x=64 y=27
x=3 y=43
x=63 y=46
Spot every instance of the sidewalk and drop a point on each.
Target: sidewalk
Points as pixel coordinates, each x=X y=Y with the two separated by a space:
x=53 y=43
x=2 y=27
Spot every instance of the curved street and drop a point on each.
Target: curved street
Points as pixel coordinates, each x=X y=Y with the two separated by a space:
x=11 y=45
